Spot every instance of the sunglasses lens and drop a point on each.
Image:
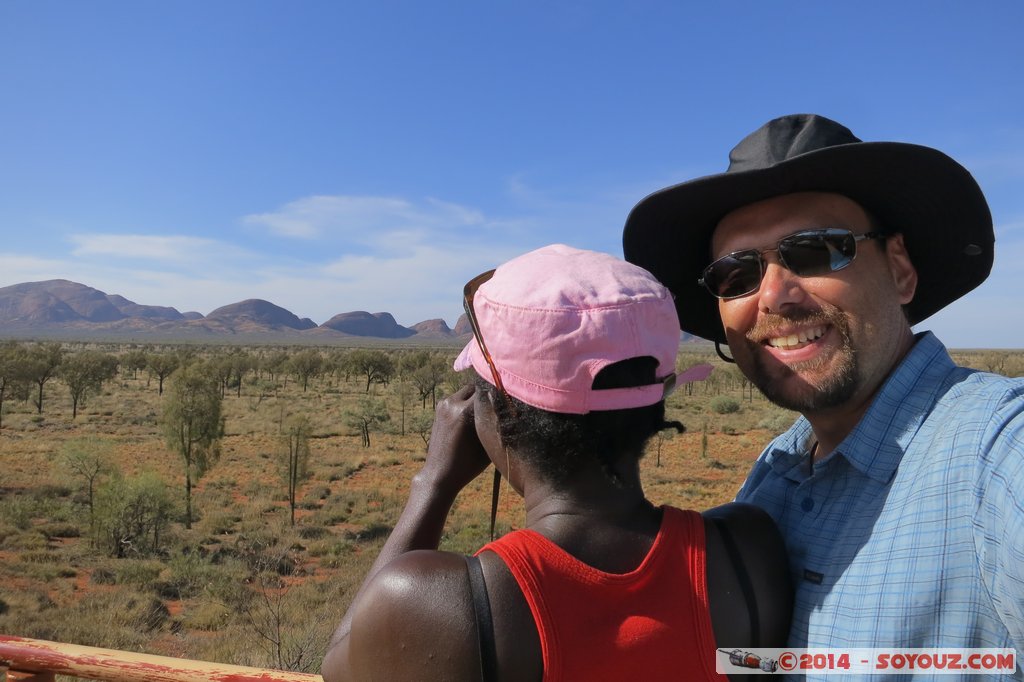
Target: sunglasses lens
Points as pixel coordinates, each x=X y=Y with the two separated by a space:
x=806 y=254
x=816 y=253
x=734 y=275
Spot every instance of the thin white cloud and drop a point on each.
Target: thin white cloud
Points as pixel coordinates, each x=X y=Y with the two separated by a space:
x=461 y=215
x=160 y=248
x=18 y=268
x=362 y=220
x=423 y=282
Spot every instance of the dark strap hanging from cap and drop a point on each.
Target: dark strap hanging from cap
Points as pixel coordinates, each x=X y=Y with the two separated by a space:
x=495 y=490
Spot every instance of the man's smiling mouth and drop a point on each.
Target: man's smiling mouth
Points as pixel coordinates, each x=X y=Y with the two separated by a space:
x=796 y=340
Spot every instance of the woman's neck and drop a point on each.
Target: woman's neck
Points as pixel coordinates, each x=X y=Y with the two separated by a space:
x=591 y=501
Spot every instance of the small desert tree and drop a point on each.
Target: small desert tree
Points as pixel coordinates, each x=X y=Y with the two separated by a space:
x=667 y=433
x=134 y=360
x=275 y=364
x=241 y=364
x=337 y=364
x=84 y=373
x=660 y=439
x=403 y=391
x=14 y=379
x=295 y=456
x=704 y=441
x=88 y=459
x=220 y=366
x=305 y=365
x=376 y=365
x=41 y=366
x=193 y=424
x=421 y=424
x=367 y=416
x=428 y=376
x=409 y=361
x=162 y=365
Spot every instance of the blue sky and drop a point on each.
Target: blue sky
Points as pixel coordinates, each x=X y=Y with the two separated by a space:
x=338 y=156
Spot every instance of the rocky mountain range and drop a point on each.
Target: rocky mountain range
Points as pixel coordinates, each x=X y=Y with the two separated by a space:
x=60 y=308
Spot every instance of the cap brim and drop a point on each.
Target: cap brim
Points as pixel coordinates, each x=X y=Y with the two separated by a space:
x=695 y=373
x=465 y=359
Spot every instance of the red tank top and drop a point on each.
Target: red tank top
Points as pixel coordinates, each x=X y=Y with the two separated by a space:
x=652 y=623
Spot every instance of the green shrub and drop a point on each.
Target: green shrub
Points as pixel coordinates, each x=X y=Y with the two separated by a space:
x=312 y=532
x=140 y=572
x=117 y=619
x=333 y=517
x=35 y=570
x=777 y=422
x=51 y=490
x=27 y=540
x=60 y=530
x=222 y=522
x=44 y=556
x=132 y=514
x=208 y=616
x=103 y=576
x=723 y=404
x=17 y=511
x=188 y=575
x=7 y=531
x=332 y=553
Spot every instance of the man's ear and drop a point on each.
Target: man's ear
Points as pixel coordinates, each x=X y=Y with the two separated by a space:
x=904 y=274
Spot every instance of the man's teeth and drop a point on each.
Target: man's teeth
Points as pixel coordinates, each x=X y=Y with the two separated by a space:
x=793 y=340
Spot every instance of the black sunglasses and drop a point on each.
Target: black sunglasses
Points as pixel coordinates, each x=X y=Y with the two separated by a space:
x=807 y=253
x=468 y=293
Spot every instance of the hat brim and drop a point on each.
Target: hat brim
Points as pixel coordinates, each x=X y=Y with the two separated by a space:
x=914 y=190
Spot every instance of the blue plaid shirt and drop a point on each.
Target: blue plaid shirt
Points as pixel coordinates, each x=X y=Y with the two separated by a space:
x=911 y=533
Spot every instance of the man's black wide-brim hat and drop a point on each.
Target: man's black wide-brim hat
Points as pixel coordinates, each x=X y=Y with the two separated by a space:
x=917 y=191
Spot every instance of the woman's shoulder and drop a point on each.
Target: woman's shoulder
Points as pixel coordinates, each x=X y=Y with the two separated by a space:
x=421 y=585
x=415 y=620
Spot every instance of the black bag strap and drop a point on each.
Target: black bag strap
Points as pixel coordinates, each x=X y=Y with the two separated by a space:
x=746 y=585
x=484 y=623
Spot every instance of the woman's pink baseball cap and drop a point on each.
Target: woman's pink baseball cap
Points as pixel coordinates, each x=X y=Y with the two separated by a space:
x=553 y=318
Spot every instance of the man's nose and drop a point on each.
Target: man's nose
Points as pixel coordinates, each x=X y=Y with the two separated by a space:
x=780 y=287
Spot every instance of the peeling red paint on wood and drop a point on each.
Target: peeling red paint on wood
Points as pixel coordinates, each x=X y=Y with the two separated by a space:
x=110 y=665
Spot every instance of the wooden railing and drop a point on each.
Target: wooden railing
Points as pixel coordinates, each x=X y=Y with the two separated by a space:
x=38 y=660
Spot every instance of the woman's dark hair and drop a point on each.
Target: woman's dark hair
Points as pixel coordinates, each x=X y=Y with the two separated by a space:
x=558 y=445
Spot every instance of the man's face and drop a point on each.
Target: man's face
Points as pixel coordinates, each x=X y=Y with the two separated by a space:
x=822 y=342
